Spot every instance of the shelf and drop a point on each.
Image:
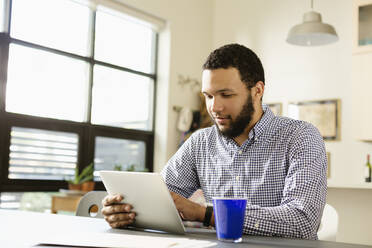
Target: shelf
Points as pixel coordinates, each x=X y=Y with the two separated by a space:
x=350 y=186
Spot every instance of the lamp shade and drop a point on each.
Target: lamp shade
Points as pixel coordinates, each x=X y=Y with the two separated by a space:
x=312 y=32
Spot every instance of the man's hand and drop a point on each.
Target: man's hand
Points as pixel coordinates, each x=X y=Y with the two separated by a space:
x=117 y=214
x=188 y=210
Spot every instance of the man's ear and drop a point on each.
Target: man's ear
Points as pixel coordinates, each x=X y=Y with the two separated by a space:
x=258 y=90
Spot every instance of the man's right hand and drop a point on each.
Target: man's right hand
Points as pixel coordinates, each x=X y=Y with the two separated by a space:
x=116 y=213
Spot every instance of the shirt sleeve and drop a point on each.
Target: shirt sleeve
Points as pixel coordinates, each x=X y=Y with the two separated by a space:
x=304 y=194
x=180 y=173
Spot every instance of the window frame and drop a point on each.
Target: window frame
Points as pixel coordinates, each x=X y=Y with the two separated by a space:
x=86 y=131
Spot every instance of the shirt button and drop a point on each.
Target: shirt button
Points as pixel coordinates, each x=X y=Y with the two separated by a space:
x=237 y=178
x=257 y=225
x=240 y=152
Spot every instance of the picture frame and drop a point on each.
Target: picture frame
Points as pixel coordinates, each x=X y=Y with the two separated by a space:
x=323 y=114
x=276 y=108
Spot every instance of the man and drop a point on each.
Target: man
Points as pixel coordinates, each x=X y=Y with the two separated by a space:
x=277 y=163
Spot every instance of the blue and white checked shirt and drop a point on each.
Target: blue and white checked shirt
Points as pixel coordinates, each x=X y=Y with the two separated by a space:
x=280 y=169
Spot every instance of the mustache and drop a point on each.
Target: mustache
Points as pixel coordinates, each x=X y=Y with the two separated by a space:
x=221 y=116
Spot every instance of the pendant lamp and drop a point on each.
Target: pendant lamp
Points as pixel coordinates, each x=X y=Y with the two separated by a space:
x=312 y=32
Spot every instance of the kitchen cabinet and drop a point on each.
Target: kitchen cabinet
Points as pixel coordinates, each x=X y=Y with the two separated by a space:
x=362 y=26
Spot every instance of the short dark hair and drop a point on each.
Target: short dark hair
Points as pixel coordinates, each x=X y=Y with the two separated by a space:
x=240 y=57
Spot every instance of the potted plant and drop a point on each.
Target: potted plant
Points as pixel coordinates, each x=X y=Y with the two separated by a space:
x=84 y=180
x=118 y=167
x=133 y=167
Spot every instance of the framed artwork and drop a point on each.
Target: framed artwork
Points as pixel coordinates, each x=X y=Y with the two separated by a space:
x=324 y=114
x=328 y=165
x=276 y=108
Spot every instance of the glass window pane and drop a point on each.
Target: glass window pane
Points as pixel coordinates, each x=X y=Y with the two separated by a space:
x=28 y=201
x=2 y=16
x=122 y=99
x=42 y=154
x=60 y=24
x=10 y=200
x=125 y=43
x=46 y=84
x=119 y=154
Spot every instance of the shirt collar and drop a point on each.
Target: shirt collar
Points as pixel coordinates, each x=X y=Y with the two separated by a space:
x=263 y=123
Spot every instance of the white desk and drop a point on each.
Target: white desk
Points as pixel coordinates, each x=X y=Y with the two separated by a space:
x=20 y=230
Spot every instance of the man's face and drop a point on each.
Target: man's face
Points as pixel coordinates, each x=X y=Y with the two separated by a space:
x=229 y=102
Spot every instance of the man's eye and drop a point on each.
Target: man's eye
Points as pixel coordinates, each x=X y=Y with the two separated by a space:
x=227 y=95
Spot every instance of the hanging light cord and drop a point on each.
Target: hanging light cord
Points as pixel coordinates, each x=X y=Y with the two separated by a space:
x=312 y=5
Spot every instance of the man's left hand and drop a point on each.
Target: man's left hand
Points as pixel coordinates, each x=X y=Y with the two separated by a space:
x=188 y=210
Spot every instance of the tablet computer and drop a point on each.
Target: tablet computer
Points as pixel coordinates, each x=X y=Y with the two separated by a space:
x=149 y=196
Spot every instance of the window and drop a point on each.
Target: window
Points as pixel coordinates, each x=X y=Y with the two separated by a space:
x=132 y=51
x=119 y=154
x=67 y=28
x=29 y=201
x=119 y=91
x=38 y=91
x=74 y=89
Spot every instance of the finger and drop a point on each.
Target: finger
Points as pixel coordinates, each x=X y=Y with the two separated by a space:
x=120 y=217
x=121 y=224
x=115 y=199
x=116 y=208
x=111 y=199
x=107 y=200
x=182 y=216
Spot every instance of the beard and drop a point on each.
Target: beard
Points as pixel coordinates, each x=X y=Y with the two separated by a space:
x=238 y=125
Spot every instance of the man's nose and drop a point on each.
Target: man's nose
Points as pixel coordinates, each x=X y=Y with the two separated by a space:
x=217 y=105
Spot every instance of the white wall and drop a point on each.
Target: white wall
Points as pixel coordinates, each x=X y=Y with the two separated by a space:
x=308 y=73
